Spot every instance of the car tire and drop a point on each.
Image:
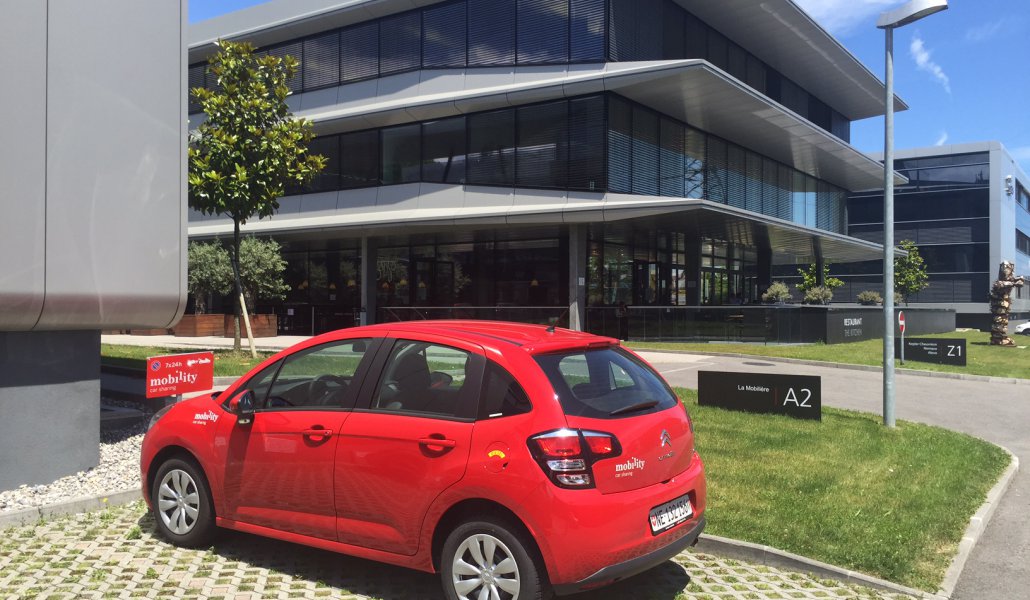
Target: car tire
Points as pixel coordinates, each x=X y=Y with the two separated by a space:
x=465 y=569
x=182 y=506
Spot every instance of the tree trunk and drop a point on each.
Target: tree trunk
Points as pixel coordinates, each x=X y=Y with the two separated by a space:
x=239 y=285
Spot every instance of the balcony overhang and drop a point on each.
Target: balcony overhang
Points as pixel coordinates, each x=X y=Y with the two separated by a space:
x=787 y=39
x=427 y=208
x=693 y=91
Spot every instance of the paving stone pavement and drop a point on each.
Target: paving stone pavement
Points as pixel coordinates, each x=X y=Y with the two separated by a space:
x=116 y=553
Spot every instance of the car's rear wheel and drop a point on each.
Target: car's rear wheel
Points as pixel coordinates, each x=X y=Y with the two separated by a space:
x=491 y=559
x=182 y=503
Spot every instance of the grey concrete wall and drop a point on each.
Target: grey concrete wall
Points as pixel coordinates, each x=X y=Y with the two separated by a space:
x=50 y=405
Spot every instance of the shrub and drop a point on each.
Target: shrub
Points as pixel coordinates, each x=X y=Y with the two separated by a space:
x=777 y=292
x=818 y=295
x=870 y=297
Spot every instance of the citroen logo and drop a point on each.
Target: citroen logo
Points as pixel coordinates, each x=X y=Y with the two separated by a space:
x=666 y=438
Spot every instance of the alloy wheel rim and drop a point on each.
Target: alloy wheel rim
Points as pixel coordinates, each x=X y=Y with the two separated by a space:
x=178 y=501
x=484 y=569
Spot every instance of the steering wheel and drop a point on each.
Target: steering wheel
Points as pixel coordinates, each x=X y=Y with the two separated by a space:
x=278 y=402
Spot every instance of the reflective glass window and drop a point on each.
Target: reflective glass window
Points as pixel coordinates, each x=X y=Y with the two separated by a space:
x=491 y=32
x=620 y=145
x=541 y=154
x=329 y=178
x=321 y=64
x=543 y=31
x=645 y=152
x=586 y=25
x=672 y=157
x=400 y=42
x=491 y=152
x=443 y=151
x=673 y=23
x=694 y=164
x=401 y=162
x=296 y=50
x=586 y=144
x=443 y=36
x=359 y=166
x=359 y=51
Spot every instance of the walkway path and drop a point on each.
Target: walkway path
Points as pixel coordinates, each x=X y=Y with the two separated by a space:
x=116 y=554
x=999 y=567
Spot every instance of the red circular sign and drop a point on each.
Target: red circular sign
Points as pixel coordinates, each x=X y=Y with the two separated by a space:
x=901 y=321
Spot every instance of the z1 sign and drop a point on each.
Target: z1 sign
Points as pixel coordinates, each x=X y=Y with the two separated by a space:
x=180 y=373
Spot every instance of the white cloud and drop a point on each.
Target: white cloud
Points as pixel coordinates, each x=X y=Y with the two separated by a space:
x=840 y=17
x=942 y=139
x=922 y=57
x=986 y=31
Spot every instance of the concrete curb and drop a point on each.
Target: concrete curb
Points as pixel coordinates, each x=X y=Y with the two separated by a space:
x=977 y=525
x=32 y=515
x=833 y=365
x=780 y=559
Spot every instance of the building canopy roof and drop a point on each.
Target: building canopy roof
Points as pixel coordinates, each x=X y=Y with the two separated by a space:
x=778 y=31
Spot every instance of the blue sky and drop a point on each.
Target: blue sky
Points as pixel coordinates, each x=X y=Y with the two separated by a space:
x=963 y=72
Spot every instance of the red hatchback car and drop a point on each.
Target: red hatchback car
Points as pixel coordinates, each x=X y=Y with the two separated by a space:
x=515 y=460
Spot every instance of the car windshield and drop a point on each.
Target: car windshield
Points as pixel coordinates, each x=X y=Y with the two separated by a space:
x=605 y=384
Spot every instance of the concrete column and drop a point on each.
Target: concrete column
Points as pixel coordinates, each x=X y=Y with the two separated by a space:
x=50 y=402
x=577 y=276
x=369 y=279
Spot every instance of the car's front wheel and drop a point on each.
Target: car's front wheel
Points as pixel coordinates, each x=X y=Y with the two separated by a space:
x=182 y=503
x=491 y=559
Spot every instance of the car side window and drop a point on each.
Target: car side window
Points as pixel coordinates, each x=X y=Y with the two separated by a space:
x=502 y=396
x=319 y=377
x=260 y=383
x=426 y=378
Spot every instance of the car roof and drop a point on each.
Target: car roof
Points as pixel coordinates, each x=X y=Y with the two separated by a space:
x=500 y=335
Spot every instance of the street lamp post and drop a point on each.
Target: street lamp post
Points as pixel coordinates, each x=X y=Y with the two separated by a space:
x=889 y=21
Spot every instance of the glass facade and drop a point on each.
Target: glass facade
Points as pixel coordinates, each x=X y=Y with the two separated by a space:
x=944 y=209
x=593 y=143
x=485 y=33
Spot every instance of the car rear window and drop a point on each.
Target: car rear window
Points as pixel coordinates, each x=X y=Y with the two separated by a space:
x=605 y=383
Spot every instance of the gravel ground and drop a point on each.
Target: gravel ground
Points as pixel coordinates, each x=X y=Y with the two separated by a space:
x=118 y=470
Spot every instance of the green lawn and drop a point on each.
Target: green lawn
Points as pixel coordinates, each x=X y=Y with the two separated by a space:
x=227 y=362
x=983 y=359
x=847 y=491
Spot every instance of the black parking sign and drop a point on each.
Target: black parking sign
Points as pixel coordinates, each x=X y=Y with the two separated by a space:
x=798 y=396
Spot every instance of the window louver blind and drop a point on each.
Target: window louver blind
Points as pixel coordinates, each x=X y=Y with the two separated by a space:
x=359 y=153
x=443 y=40
x=736 y=180
x=671 y=162
x=586 y=144
x=543 y=31
x=359 y=51
x=491 y=32
x=400 y=43
x=620 y=145
x=491 y=158
x=196 y=80
x=716 y=180
x=587 y=27
x=321 y=64
x=694 y=165
x=540 y=158
x=329 y=178
x=645 y=152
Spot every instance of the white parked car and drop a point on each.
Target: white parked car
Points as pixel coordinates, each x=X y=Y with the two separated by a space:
x=1023 y=328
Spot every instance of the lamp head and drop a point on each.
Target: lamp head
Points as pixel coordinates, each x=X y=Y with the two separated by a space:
x=910 y=13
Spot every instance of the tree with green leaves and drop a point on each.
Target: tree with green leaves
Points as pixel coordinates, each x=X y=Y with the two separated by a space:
x=909 y=272
x=209 y=272
x=261 y=270
x=249 y=147
x=809 y=280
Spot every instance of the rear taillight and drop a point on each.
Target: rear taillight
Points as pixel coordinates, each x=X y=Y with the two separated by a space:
x=568 y=455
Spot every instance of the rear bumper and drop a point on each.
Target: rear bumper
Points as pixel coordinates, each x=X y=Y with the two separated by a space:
x=629 y=568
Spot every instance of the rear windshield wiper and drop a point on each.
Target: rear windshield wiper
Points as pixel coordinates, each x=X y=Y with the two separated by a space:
x=646 y=404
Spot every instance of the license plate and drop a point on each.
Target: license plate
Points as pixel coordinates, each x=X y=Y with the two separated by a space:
x=670 y=514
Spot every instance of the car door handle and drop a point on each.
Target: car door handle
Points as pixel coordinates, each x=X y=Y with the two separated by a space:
x=322 y=433
x=441 y=442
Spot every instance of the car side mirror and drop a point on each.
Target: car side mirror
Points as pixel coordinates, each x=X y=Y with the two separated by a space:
x=242 y=405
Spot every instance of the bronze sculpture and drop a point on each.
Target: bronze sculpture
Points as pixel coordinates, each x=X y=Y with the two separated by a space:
x=1001 y=304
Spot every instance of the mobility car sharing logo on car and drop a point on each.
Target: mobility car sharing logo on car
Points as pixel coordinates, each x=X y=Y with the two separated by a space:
x=204 y=417
x=626 y=469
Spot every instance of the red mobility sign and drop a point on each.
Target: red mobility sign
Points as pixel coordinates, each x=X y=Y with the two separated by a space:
x=901 y=321
x=180 y=373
